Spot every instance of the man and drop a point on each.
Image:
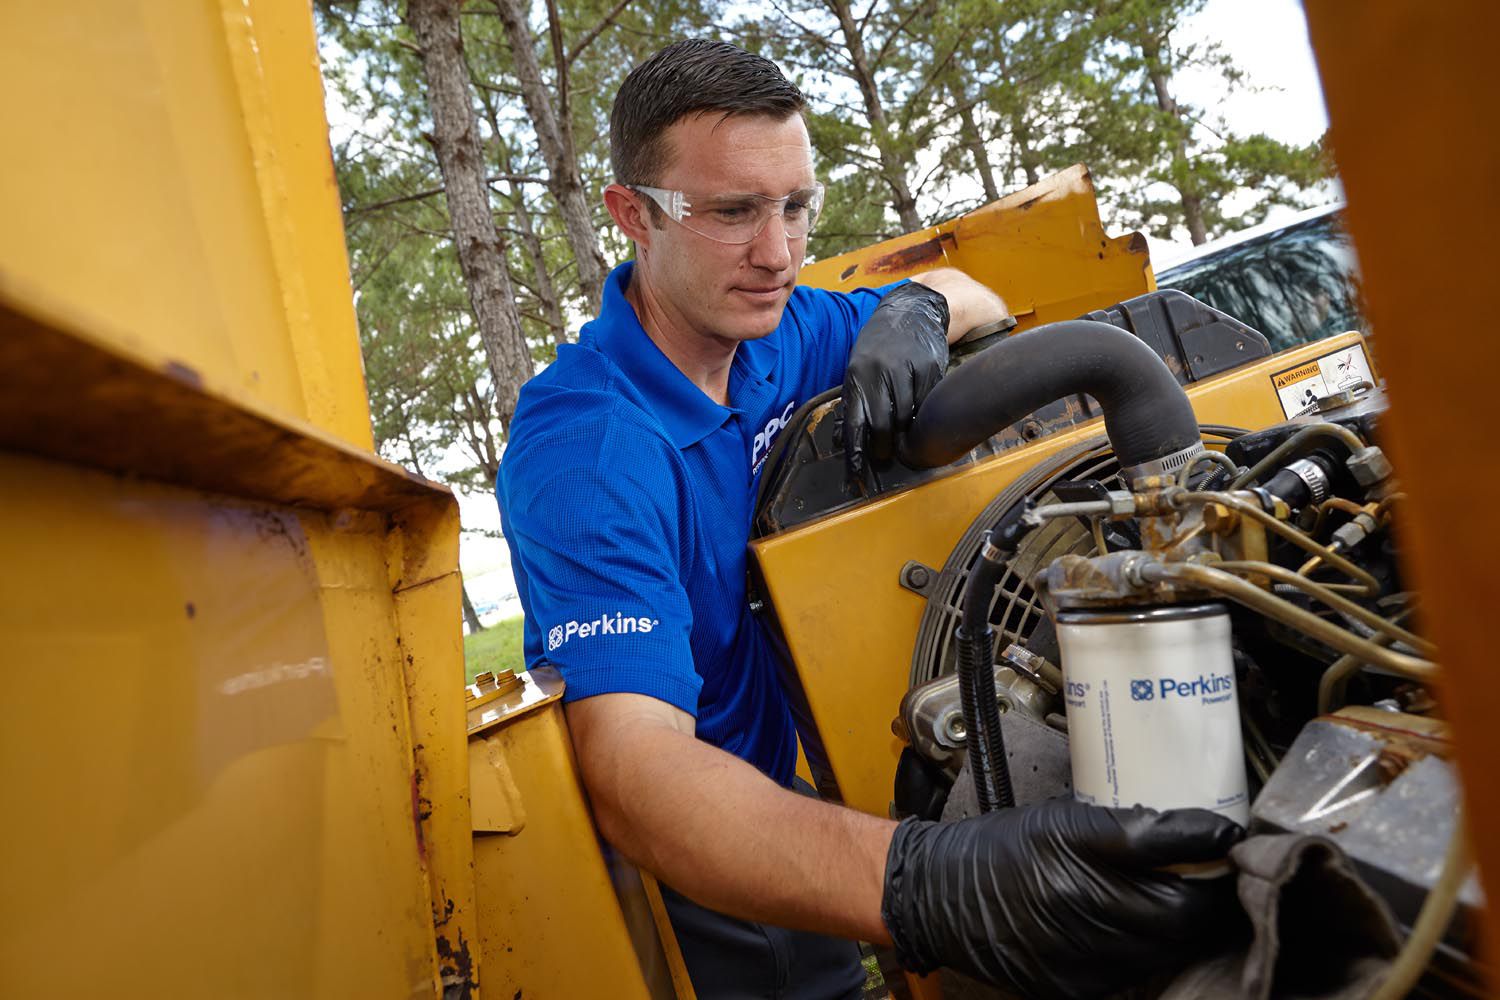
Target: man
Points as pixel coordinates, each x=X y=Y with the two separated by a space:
x=626 y=492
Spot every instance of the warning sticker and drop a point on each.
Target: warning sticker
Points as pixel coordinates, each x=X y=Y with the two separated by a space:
x=1301 y=387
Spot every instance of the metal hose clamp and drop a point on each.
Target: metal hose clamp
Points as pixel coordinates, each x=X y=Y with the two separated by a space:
x=1167 y=465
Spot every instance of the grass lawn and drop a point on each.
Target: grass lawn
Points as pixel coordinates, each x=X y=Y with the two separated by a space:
x=497 y=648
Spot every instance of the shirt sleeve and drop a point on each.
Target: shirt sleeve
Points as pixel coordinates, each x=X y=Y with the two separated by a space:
x=829 y=323
x=596 y=529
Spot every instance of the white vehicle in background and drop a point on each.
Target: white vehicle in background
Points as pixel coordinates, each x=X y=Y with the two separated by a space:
x=1295 y=280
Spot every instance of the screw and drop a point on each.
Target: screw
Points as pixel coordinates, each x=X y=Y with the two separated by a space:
x=917 y=576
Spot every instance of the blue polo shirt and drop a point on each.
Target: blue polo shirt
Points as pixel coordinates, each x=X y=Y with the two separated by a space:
x=626 y=494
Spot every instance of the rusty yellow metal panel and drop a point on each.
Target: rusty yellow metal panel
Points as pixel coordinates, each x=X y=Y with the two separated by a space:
x=234 y=717
x=167 y=173
x=544 y=890
x=853 y=656
x=1426 y=244
x=1043 y=249
x=233 y=637
x=205 y=729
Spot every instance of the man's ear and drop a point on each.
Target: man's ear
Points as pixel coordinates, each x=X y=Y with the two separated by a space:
x=626 y=209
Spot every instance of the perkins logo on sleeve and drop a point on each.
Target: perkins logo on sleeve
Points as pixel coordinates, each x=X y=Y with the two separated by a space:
x=616 y=624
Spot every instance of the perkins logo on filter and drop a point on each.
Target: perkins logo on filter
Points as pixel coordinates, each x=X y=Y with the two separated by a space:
x=1211 y=688
x=617 y=624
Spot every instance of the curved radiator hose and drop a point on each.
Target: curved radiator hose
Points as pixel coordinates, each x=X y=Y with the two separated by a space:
x=1146 y=414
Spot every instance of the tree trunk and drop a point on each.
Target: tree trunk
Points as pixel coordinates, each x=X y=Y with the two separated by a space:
x=470 y=615
x=1192 y=202
x=546 y=294
x=891 y=166
x=481 y=255
x=1020 y=130
x=544 y=290
x=554 y=137
x=975 y=142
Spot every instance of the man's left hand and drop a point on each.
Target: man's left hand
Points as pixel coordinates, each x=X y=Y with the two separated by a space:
x=900 y=355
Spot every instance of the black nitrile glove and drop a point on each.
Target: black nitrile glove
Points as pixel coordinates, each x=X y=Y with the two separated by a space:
x=899 y=356
x=1060 y=899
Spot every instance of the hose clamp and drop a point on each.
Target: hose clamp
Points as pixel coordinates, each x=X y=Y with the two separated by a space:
x=1167 y=465
x=1313 y=476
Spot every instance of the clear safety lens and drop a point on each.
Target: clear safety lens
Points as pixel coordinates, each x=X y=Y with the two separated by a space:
x=739 y=218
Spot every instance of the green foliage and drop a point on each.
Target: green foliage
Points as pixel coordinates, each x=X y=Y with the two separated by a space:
x=1167 y=164
x=497 y=648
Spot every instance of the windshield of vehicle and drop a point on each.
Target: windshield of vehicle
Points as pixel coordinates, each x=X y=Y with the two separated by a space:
x=1295 y=285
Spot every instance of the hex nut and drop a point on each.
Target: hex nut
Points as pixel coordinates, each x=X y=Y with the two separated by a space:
x=1349 y=535
x=1219 y=519
x=1369 y=466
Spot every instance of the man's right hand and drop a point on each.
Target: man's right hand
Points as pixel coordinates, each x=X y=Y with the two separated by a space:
x=1060 y=899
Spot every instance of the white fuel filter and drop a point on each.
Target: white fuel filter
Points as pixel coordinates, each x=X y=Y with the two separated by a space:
x=1153 y=708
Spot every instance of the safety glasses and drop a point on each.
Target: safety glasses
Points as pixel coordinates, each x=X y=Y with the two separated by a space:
x=738 y=218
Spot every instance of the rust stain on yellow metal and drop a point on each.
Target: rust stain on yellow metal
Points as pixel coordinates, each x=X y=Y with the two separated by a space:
x=425 y=595
x=1429 y=284
x=1043 y=249
x=853 y=655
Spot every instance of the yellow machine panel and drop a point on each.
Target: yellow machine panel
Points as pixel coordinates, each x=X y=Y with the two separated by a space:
x=236 y=671
x=167 y=175
x=1043 y=249
x=205 y=730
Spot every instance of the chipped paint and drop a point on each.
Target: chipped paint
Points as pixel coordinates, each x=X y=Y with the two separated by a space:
x=457 y=968
x=909 y=258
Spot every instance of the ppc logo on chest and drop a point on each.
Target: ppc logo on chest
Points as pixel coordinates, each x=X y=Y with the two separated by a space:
x=767 y=436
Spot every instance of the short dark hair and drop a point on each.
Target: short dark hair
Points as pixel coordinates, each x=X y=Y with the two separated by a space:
x=685 y=78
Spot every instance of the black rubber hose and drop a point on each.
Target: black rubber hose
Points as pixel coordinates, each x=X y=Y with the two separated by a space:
x=1146 y=414
x=983 y=738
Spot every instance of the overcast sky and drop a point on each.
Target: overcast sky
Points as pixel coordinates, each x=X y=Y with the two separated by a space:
x=1266 y=38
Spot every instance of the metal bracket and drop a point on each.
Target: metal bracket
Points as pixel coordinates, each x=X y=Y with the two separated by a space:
x=918 y=578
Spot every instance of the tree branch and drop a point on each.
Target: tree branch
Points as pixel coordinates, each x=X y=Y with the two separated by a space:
x=376 y=206
x=594 y=33
x=560 y=61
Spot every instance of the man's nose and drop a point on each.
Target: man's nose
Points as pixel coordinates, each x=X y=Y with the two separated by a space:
x=769 y=249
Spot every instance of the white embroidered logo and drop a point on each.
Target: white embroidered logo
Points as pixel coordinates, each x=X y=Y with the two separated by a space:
x=767 y=437
x=617 y=624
